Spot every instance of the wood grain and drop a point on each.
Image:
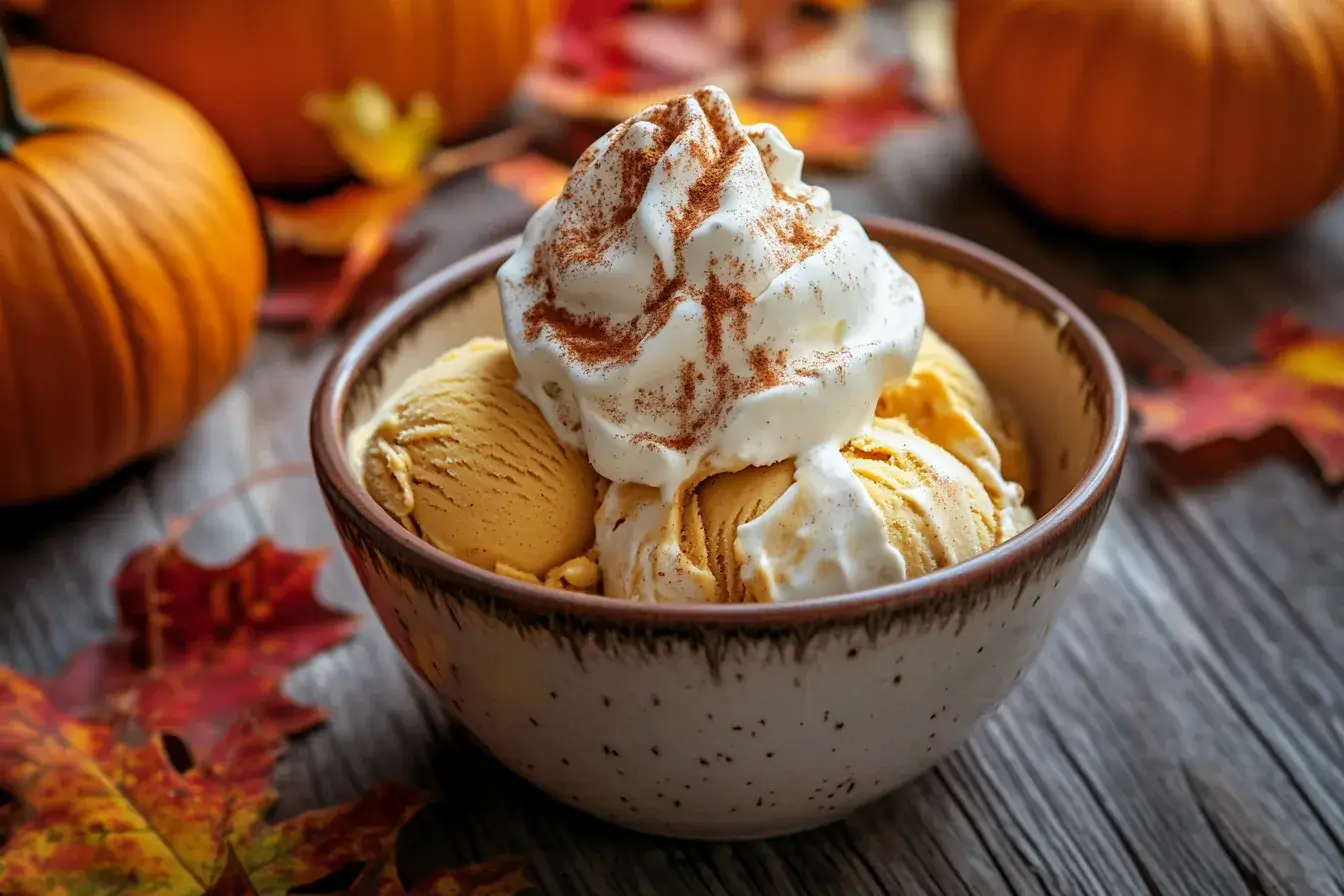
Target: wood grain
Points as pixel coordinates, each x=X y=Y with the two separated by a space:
x=1182 y=733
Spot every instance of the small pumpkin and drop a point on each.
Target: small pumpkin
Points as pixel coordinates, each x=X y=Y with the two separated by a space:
x=1168 y=120
x=131 y=266
x=249 y=65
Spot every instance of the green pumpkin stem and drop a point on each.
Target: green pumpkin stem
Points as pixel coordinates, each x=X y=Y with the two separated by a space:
x=15 y=124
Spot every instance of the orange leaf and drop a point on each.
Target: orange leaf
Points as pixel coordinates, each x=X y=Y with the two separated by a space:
x=330 y=225
x=358 y=223
x=105 y=816
x=201 y=646
x=1300 y=386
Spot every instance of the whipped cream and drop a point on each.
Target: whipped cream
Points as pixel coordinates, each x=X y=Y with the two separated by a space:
x=824 y=535
x=688 y=305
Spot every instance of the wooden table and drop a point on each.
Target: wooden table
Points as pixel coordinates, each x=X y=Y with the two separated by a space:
x=1183 y=732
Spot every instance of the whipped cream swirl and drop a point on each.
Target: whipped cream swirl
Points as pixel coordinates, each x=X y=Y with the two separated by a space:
x=688 y=305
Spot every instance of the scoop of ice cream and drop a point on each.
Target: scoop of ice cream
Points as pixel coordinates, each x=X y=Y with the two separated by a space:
x=887 y=506
x=947 y=402
x=688 y=305
x=464 y=461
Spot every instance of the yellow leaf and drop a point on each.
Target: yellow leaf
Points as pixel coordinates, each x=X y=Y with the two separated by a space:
x=1319 y=361
x=383 y=147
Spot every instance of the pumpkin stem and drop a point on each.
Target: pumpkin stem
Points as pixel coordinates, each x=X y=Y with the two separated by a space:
x=15 y=124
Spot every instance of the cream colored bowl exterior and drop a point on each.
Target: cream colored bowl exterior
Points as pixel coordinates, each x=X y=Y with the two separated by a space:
x=761 y=726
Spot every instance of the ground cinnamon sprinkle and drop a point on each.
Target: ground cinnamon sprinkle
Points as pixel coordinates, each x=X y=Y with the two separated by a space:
x=706 y=389
x=723 y=301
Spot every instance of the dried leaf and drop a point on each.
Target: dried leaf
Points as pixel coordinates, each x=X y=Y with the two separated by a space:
x=201 y=646
x=382 y=147
x=1299 y=385
x=329 y=225
x=105 y=816
x=357 y=223
x=843 y=131
x=233 y=880
x=501 y=876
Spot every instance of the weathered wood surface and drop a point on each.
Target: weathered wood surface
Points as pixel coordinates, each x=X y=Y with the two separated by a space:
x=1183 y=732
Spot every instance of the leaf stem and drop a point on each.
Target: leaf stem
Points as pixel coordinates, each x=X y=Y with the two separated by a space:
x=179 y=526
x=453 y=160
x=1162 y=332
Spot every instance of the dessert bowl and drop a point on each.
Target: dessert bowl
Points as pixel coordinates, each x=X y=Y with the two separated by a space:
x=744 y=720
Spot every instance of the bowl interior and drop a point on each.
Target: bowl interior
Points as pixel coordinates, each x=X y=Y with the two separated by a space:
x=1017 y=346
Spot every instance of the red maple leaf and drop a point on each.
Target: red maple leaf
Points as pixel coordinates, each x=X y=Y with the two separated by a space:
x=1298 y=385
x=101 y=815
x=200 y=646
x=501 y=876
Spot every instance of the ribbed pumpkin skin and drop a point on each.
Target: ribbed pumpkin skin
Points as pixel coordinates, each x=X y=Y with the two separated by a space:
x=131 y=265
x=1166 y=120
x=248 y=64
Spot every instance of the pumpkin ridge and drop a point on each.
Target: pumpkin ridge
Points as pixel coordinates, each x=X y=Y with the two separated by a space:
x=1334 y=174
x=100 y=428
x=134 y=409
x=21 y=399
x=189 y=324
x=1217 y=86
x=216 y=200
x=197 y=258
x=123 y=306
x=1305 y=42
x=1069 y=197
x=1260 y=141
x=1333 y=96
x=154 y=159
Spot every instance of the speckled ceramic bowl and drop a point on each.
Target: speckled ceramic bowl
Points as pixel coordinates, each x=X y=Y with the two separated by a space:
x=722 y=722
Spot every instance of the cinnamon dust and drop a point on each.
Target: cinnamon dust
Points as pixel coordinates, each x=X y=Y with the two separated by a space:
x=592 y=229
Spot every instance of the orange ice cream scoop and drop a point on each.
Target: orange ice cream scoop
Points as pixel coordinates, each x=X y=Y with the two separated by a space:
x=468 y=464
x=947 y=402
x=928 y=506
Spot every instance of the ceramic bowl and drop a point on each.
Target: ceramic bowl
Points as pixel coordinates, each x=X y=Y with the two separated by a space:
x=739 y=721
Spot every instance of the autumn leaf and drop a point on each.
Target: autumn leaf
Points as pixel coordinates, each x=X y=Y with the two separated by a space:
x=233 y=880
x=391 y=154
x=842 y=131
x=200 y=646
x=385 y=148
x=501 y=876
x=1298 y=385
x=105 y=816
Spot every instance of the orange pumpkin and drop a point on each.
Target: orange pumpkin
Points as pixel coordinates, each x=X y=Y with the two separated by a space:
x=248 y=64
x=131 y=264
x=1182 y=120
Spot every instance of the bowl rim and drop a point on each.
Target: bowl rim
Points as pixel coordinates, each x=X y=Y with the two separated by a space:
x=347 y=497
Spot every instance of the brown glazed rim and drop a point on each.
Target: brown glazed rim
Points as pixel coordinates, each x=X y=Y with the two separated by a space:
x=348 y=498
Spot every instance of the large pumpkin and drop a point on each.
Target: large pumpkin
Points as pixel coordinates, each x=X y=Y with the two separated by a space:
x=248 y=64
x=1187 y=120
x=131 y=264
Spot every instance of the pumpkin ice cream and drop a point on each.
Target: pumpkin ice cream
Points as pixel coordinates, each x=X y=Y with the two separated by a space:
x=946 y=402
x=751 y=536
x=468 y=464
x=737 y=367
